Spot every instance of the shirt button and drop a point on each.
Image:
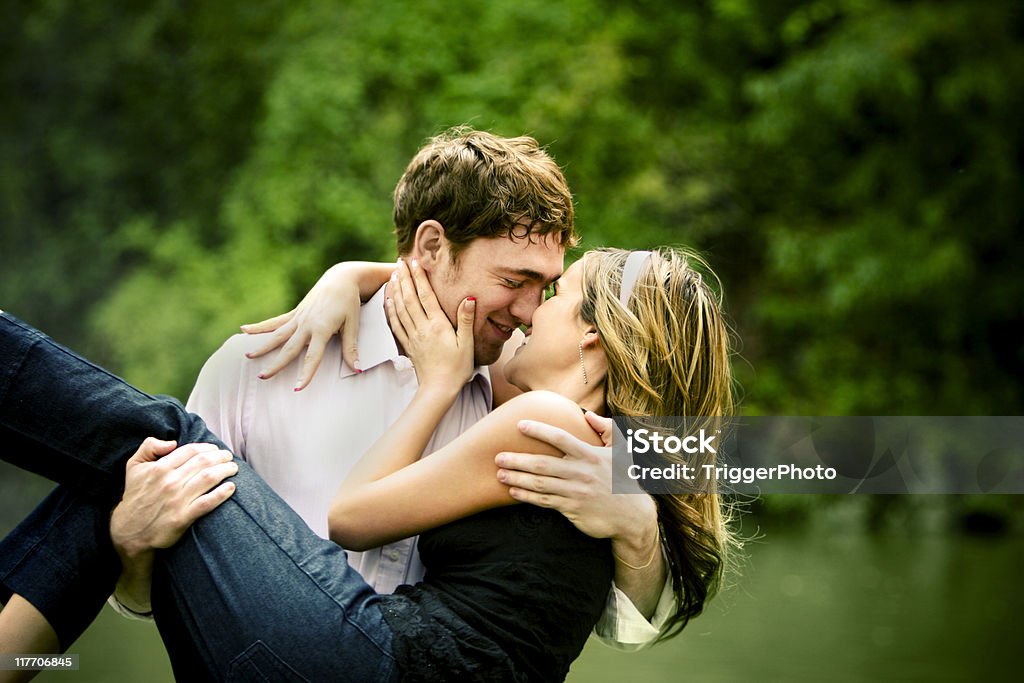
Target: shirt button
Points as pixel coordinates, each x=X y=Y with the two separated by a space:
x=392 y=555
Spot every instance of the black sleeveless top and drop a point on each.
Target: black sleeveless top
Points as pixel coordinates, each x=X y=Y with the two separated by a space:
x=510 y=594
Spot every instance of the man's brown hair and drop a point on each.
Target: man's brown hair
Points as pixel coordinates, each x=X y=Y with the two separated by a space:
x=477 y=184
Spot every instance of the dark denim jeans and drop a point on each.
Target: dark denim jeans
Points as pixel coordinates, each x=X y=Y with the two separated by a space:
x=249 y=593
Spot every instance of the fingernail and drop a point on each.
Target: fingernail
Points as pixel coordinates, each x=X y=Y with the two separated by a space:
x=499 y=460
x=359 y=371
x=248 y=354
x=524 y=425
x=471 y=299
x=261 y=376
x=297 y=388
x=502 y=475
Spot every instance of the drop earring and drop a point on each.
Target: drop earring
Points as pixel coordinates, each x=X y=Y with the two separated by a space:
x=582 y=366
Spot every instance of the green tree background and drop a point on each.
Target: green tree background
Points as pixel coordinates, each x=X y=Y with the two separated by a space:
x=851 y=168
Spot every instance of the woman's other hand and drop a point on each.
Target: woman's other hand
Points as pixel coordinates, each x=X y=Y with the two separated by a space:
x=586 y=484
x=442 y=356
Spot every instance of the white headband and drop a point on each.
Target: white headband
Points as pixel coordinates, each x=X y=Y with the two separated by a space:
x=630 y=272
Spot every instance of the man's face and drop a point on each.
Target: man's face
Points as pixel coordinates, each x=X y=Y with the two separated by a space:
x=507 y=275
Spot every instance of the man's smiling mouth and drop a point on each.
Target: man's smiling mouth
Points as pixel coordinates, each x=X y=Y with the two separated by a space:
x=503 y=329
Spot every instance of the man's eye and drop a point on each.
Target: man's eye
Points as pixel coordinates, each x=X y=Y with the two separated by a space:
x=513 y=284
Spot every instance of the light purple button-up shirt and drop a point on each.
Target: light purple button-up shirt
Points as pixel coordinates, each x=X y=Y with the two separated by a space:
x=304 y=443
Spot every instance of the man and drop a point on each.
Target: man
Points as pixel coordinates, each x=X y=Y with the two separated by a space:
x=484 y=216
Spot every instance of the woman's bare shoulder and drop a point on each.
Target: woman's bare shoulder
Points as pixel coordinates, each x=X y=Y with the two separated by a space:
x=549 y=407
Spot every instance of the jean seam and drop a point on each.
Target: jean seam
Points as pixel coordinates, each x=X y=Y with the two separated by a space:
x=39 y=337
x=17 y=364
x=182 y=606
x=315 y=581
x=249 y=653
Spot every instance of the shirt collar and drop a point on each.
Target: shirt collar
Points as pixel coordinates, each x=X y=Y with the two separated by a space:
x=377 y=343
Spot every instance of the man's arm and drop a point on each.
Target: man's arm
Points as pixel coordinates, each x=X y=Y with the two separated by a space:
x=166 y=490
x=579 y=485
x=220 y=398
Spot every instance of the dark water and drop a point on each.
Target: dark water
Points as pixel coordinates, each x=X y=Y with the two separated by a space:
x=810 y=606
x=846 y=606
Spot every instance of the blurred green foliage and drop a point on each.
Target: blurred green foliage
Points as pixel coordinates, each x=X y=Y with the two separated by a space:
x=851 y=167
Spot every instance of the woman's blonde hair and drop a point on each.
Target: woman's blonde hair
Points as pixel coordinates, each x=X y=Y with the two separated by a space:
x=669 y=354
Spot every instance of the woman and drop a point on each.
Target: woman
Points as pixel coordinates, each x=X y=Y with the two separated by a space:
x=511 y=592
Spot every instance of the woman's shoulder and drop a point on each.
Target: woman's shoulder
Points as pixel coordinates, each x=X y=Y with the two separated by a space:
x=531 y=404
x=550 y=408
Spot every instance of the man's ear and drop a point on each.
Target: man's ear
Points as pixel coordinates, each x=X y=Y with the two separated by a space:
x=430 y=246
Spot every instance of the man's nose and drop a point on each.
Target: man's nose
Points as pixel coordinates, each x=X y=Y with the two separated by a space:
x=524 y=305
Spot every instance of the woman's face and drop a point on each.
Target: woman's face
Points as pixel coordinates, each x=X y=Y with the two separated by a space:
x=551 y=348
